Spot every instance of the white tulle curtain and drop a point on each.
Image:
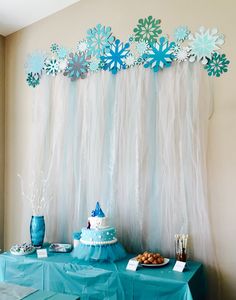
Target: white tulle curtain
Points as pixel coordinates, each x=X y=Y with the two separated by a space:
x=137 y=143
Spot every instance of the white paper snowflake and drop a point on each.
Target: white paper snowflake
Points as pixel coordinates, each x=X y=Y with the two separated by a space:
x=130 y=60
x=82 y=46
x=183 y=54
x=142 y=47
x=62 y=64
x=204 y=43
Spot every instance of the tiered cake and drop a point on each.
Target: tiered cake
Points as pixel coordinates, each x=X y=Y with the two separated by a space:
x=98 y=241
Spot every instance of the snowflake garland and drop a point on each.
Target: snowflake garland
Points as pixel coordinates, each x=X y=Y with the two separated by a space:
x=99 y=39
x=146 y=46
x=114 y=58
x=204 y=43
x=148 y=29
x=217 y=65
x=160 y=55
x=77 y=66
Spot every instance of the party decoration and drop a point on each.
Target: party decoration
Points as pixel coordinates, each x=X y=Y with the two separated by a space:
x=114 y=58
x=77 y=66
x=181 y=33
x=204 y=43
x=146 y=46
x=98 y=211
x=52 y=67
x=148 y=29
x=99 y=38
x=160 y=55
x=217 y=65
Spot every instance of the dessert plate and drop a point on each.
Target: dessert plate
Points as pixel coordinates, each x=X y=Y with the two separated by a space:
x=166 y=261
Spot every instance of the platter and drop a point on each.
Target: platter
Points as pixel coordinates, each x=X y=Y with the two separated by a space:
x=23 y=249
x=166 y=261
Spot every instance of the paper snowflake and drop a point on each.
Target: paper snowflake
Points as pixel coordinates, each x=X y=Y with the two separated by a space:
x=131 y=39
x=98 y=39
x=160 y=55
x=181 y=33
x=62 y=65
x=217 y=65
x=204 y=43
x=142 y=47
x=54 y=48
x=62 y=53
x=35 y=63
x=148 y=29
x=114 y=58
x=82 y=46
x=33 y=79
x=129 y=60
x=51 y=67
x=94 y=64
x=182 y=54
x=77 y=66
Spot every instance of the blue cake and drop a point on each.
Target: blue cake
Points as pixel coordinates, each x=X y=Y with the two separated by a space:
x=98 y=241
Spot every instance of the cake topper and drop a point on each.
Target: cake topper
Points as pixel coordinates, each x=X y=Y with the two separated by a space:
x=98 y=211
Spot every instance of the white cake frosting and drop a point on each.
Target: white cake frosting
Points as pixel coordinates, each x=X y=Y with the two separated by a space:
x=98 y=222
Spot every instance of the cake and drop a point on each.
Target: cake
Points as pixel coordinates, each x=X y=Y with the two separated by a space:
x=98 y=241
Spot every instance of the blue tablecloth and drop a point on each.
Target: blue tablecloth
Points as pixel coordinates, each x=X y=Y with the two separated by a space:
x=62 y=273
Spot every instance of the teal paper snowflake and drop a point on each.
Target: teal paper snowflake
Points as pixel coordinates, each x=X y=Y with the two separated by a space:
x=181 y=33
x=54 y=48
x=62 y=53
x=142 y=47
x=99 y=38
x=114 y=58
x=82 y=46
x=160 y=55
x=52 y=67
x=33 y=79
x=94 y=64
x=148 y=29
x=217 y=65
x=35 y=63
x=204 y=43
x=77 y=66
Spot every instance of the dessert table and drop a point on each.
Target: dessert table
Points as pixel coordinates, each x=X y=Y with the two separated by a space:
x=62 y=273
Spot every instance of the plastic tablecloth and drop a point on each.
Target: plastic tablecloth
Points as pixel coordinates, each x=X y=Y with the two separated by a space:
x=62 y=273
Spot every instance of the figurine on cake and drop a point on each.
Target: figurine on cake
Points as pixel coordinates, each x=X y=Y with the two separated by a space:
x=98 y=241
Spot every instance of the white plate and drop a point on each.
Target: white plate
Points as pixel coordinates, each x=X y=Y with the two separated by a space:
x=166 y=261
x=22 y=253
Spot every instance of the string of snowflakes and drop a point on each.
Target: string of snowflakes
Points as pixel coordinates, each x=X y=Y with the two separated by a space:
x=100 y=50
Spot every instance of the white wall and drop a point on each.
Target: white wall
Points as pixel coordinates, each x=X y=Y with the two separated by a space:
x=69 y=26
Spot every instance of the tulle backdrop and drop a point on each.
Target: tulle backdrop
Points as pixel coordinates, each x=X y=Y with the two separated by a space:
x=137 y=143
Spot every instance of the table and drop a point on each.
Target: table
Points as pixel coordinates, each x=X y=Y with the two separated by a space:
x=62 y=273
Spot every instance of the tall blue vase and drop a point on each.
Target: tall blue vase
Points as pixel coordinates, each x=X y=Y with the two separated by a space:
x=37 y=230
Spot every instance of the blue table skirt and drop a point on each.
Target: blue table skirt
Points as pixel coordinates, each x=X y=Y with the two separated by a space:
x=62 y=273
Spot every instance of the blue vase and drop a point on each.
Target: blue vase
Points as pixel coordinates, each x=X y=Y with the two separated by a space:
x=37 y=230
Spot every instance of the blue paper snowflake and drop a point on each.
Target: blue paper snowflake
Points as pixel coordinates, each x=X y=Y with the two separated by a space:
x=204 y=44
x=33 y=79
x=77 y=66
x=181 y=33
x=114 y=57
x=35 y=63
x=217 y=65
x=54 y=48
x=98 y=39
x=52 y=67
x=62 y=53
x=160 y=55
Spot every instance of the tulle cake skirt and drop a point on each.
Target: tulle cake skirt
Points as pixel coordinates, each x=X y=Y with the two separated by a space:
x=111 y=252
